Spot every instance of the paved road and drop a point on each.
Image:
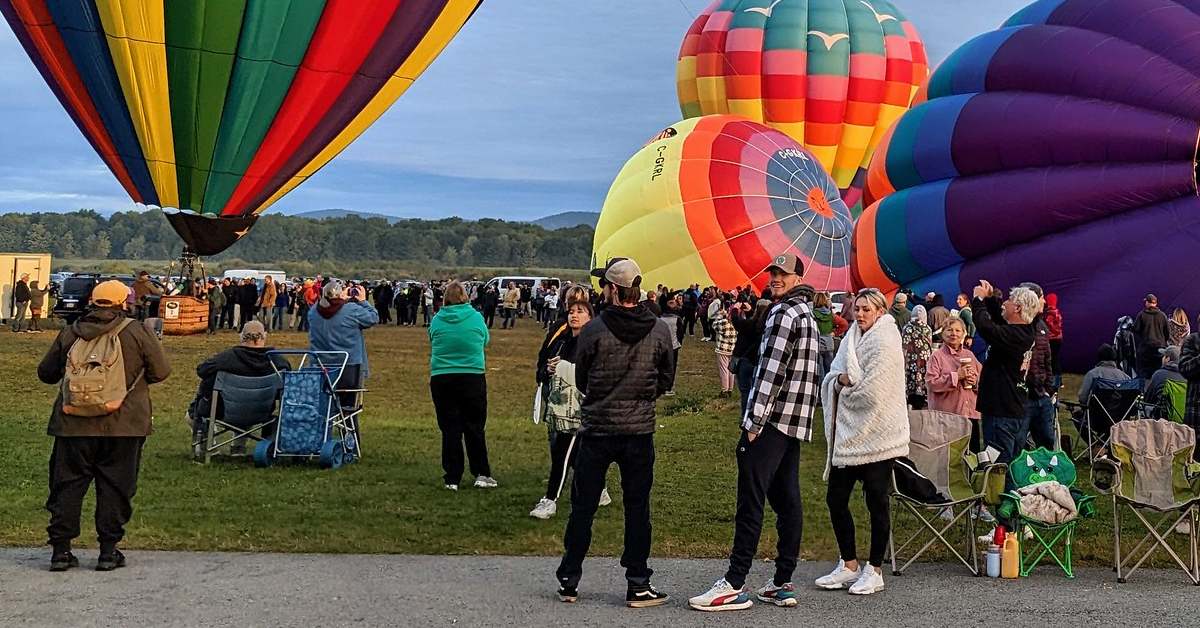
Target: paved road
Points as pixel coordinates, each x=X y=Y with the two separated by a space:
x=189 y=589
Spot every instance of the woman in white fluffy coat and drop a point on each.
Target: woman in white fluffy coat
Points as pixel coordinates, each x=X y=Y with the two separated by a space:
x=866 y=427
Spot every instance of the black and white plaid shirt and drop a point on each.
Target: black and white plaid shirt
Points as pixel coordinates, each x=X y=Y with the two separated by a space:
x=787 y=381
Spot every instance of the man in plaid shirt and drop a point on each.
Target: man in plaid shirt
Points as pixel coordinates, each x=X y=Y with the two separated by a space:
x=778 y=417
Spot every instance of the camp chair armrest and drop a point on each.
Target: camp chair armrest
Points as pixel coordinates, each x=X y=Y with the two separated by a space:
x=1106 y=475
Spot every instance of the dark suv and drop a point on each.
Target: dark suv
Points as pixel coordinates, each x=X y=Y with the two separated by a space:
x=76 y=292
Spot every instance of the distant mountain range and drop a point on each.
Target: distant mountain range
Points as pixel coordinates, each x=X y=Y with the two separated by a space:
x=565 y=220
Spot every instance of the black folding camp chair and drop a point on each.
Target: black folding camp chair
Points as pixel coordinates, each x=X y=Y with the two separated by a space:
x=242 y=407
x=1109 y=403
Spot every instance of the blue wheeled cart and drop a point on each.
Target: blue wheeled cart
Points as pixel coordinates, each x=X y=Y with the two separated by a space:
x=318 y=412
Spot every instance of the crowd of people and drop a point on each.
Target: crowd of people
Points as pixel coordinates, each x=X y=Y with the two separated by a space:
x=607 y=356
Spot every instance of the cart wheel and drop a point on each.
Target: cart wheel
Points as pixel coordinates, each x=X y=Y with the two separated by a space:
x=262 y=453
x=332 y=454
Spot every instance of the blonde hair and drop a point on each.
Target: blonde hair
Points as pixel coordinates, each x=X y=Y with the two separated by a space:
x=455 y=294
x=1179 y=316
x=821 y=300
x=874 y=297
x=577 y=294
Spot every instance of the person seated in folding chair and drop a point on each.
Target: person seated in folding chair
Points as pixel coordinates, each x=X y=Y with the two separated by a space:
x=866 y=429
x=249 y=358
x=1156 y=397
x=1106 y=371
x=1189 y=367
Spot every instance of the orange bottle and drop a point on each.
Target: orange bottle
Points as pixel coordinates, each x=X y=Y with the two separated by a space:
x=1010 y=557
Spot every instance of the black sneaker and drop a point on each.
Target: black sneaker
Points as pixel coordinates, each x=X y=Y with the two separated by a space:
x=568 y=594
x=62 y=561
x=645 y=597
x=109 y=562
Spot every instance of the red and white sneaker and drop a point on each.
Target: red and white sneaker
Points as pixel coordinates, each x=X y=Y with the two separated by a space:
x=722 y=597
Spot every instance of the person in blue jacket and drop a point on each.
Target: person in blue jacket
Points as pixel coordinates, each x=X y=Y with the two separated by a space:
x=337 y=324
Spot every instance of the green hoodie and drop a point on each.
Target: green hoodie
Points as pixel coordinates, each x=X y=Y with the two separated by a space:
x=457 y=336
x=824 y=318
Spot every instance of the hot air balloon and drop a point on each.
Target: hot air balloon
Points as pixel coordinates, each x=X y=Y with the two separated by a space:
x=714 y=200
x=833 y=74
x=220 y=107
x=1059 y=149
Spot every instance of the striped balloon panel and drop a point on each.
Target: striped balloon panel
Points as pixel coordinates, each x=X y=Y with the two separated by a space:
x=716 y=198
x=1058 y=149
x=832 y=74
x=222 y=106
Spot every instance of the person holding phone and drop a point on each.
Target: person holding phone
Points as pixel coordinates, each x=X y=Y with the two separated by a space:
x=338 y=322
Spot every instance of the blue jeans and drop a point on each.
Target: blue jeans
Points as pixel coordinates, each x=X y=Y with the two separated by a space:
x=1002 y=433
x=1040 y=423
x=744 y=377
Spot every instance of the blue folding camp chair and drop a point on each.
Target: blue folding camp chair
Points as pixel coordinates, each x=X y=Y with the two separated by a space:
x=313 y=421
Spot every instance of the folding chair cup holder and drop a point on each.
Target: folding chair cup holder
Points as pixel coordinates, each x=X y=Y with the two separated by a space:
x=1152 y=475
x=940 y=451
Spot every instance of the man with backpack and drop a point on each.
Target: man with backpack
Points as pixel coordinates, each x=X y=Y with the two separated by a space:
x=104 y=364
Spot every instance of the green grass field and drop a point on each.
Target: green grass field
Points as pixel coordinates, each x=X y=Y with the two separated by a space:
x=393 y=501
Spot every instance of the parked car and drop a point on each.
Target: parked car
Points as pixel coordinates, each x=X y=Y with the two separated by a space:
x=76 y=292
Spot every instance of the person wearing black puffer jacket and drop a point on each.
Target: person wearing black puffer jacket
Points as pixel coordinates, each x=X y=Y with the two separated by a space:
x=623 y=363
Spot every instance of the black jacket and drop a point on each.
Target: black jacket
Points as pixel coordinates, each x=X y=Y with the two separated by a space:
x=560 y=343
x=1151 y=329
x=749 y=336
x=21 y=292
x=239 y=360
x=1002 y=389
x=623 y=363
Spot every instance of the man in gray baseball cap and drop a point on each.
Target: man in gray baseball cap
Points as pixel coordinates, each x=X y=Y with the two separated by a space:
x=1169 y=372
x=623 y=362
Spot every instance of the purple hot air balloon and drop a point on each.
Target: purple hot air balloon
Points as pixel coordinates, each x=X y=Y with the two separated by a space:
x=1059 y=149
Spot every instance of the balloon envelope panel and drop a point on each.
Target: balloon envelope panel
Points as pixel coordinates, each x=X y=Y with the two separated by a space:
x=1059 y=149
x=833 y=74
x=714 y=200
x=219 y=107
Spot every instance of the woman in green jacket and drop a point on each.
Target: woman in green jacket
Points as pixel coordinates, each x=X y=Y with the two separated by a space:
x=457 y=338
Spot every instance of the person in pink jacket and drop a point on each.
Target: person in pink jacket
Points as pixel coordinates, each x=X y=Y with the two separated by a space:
x=952 y=376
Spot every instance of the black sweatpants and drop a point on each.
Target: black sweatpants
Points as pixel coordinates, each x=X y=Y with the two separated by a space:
x=564 y=446
x=876 y=478
x=634 y=456
x=75 y=462
x=768 y=471
x=460 y=401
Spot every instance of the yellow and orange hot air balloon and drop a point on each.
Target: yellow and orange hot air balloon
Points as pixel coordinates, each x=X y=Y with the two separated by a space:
x=832 y=74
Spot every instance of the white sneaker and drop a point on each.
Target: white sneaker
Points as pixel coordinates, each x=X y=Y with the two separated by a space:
x=1184 y=528
x=605 y=499
x=544 y=509
x=987 y=539
x=869 y=582
x=451 y=487
x=839 y=578
x=484 y=481
x=722 y=597
x=946 y=514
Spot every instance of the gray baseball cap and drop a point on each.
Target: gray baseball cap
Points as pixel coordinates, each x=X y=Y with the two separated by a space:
x=620 y=271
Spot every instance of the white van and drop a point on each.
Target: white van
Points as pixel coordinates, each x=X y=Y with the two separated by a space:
x=501 y=283
x=277 y=275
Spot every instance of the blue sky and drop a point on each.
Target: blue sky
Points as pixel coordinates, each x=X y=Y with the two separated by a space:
x=530 y=111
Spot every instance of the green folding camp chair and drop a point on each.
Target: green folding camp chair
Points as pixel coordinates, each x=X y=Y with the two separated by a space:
x=1173 y=400
x=1152 y=475
x=939 y=450
x=1049 y=540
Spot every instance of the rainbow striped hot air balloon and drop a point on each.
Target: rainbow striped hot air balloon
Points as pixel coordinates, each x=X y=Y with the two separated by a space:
x=220 y=107
x=714 y=200
x=1059 y=149
x=833 y=74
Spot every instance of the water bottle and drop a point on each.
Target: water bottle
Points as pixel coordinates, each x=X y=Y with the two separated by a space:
x=993 y=561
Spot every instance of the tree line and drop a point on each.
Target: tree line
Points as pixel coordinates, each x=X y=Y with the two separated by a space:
x=451 y=242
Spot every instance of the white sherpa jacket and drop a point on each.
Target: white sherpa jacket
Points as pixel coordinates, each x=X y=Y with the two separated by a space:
x=866 y=421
